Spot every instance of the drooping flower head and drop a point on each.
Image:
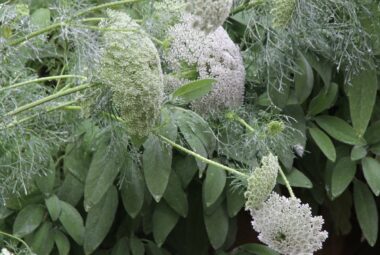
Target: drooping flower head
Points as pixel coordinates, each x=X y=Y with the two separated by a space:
x=287 y=226
x=130 y=67
x=209 y=14
x=211 y=55
x=261 y=182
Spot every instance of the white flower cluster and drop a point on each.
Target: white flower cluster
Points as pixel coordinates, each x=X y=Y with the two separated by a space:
x=261 y=182
x=209 y=14
x=130 y=67
x=213 y=56
x=5 y=251
x=287 y=226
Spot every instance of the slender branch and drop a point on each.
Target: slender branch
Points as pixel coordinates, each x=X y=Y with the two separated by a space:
x=287 y=184
x=48 y=99
x=104 y=6
x=58 y=77
x=18 y=239
x=206 y=160
x=243 y=7
x=244 y=123
x=65 y=106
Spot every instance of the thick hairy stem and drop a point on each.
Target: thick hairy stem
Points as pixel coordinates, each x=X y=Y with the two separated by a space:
x=206 y=160
x=48 y=99
x=50 y=78
x=287 y=184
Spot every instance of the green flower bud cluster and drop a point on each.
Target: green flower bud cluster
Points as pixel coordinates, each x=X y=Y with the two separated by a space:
x=130 y=67
x=261 y=182
x=275 y=127
x=282 y=11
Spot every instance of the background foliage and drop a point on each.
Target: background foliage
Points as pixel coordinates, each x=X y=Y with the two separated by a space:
x=74 y=185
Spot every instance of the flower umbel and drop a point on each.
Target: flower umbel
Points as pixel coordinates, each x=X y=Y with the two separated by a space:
x=130 y=67
x=261 y=182
x=287 y=226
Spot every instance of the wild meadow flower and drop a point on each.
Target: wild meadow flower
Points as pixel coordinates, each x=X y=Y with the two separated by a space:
x=261 y=182
x=287 y=226
x=211 y=55
x=130 y=67
x=209 y=14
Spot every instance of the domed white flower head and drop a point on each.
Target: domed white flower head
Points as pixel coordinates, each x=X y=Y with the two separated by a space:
x=261 y=182
x=287 y=226
x=130 y=67
x=212 y=56
x=209 y=14
x=4 y=251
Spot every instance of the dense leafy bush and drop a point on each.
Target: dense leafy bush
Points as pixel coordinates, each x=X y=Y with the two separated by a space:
x=156 y=127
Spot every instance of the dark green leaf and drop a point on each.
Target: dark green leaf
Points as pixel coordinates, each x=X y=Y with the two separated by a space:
x=54 y=207
x=279 y=96
x=42 y=243
x=157 y=160
x=186 y=167
x=193 y=90
x=99 y=220
x=372 y=134
x=366 y=211
x=72 y=221
x=235 y=200
x=45 y=182
x=175 y=196
x=28 y=220
x=371 y=170
x=323 y=68
x=358 y=152
x=342 y=175
x=121 y=247
x=164 y=220
x=339 y=129
x=297 y=179
x=105 y=166
x=324 y=100
x=137 y=247
x=213 y=185
x=217 y=227
x=304 y=80
x=362 y=96
x=257 y=249
x=324 y=143
x=62 y=242
x=133 y=188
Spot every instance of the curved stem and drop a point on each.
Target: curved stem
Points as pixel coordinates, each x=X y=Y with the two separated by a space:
x=18 y=239
x=58 y=77
x=286 y=181
x=206 y=160
x=48 y=99
x=287 y=184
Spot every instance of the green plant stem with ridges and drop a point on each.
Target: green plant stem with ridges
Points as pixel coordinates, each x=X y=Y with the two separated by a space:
x=60 y=24
x=17 y=239
x=286 y=181
x=205 y=160
x=50 y=78
x=48 y=99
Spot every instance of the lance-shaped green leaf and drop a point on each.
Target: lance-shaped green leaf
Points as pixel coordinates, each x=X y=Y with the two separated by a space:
x=339 y=129
x=342 y=175
x=324 y=143
x=324 y=100
x=192 y=90
x=303 y=80
x=164 y=220
x=28 y=220
x=213 y=185
x=362 y=96
x=371 y=170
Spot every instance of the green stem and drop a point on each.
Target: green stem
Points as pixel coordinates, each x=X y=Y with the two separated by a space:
x=243 y=7
x=206 y=160
x=105 y=28
x=65 y=106
x=57 y=25
x=244 y=123
x=287 y=184
x=48 y=99
x=58 y=77
x=106 y=5
x=18 y=239
x=36 y=33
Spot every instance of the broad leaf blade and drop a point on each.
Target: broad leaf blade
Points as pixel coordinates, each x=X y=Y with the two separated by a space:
x=164 y=220
x=28 y=220
x=342 y=175
x=371 y=170
x=213 y=185
x=192 y=90
x=72 y=221
x=324 y=143
x=304 y=80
